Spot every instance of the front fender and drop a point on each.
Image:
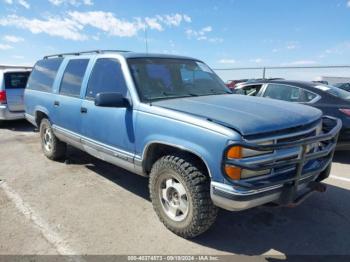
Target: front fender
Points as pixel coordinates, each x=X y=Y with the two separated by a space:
x=206 y=144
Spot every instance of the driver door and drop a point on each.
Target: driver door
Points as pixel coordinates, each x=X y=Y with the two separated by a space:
x=107 y=129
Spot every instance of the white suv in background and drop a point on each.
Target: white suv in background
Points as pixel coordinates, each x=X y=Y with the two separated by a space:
x=13 y=80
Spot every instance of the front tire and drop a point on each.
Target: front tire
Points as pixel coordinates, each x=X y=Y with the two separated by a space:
x=52 y=147
x=180 y=194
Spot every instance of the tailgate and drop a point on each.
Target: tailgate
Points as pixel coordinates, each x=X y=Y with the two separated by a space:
x=15 y=83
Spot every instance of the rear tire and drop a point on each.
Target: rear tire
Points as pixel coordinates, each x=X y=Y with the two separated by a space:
x=52 y=147
x=180 y=194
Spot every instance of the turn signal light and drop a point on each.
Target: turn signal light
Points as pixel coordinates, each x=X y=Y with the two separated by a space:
x=233 y=172
x=234 y=152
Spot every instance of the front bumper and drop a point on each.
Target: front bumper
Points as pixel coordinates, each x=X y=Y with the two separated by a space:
x=307 y=168
x=6 y=114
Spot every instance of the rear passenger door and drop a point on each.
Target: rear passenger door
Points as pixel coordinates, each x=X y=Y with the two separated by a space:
x=107 y=126
x=67 y=103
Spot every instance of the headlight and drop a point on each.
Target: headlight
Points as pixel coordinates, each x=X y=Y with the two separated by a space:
x=239 y=152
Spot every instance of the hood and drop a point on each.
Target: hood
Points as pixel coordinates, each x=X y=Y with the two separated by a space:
x=248 y=115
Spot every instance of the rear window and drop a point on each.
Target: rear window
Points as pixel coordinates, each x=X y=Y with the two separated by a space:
x=44 y=74
x=16 y=80
x=334 y=91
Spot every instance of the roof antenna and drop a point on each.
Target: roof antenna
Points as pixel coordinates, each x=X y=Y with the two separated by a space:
x=146 y=38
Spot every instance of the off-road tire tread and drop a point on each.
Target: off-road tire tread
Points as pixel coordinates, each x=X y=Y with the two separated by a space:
x=198 y=182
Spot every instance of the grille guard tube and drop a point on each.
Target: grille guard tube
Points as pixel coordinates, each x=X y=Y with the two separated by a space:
x=327 y=151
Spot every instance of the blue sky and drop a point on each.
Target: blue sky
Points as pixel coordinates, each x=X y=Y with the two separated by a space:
x=226 y=33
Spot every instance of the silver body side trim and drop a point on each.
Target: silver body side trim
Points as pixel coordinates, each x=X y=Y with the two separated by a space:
x=99 y=150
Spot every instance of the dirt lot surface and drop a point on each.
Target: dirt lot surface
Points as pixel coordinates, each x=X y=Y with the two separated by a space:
x=86 y=206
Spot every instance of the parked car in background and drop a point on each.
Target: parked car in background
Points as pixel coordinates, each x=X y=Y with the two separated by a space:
x=331 y=100
x=344 y=86
x=321 y=82
x=172 y=119
x=13 y=80
x=232 y=83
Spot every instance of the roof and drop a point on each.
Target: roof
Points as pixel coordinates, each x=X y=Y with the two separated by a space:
x=126 y=54
x=286 y=82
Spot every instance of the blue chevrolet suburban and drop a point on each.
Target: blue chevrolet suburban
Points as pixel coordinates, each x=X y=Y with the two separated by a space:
x=172 y=119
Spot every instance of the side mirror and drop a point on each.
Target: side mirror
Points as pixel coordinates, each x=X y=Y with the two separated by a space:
x=111 y=99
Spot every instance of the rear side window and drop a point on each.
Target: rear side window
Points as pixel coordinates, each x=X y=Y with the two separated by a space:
x=283 y=92
x=73 y=77
x=44 y=74
x=16 y=80
x=106 y=76
x=309 y=96
x=252 y=90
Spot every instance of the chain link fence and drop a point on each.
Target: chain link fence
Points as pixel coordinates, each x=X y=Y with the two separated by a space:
x=330 y=73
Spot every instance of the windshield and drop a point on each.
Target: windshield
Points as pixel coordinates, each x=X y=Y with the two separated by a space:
x=335 y=91
x=165 y=78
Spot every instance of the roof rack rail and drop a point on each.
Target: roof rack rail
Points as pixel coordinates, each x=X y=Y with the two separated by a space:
x=85 y=52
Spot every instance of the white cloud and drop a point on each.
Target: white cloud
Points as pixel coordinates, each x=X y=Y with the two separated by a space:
x=227 y=61
x=5 y=47
x=71 y=2
x=202 y=35
x=65 y=28
x=153 y=23
x=24 y=3
x=187 y=18
x=348 y=4
x=106 y=22
x=13 y=39
x=72 y=24
x=172 y=20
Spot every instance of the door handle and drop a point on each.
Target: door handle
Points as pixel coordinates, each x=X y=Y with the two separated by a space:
x=56 y=103
x=83 y=110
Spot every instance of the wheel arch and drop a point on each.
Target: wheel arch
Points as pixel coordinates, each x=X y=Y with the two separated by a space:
x=157 y=149
x=40 y=114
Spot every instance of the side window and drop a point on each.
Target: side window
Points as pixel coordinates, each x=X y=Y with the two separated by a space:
x=106 y=76
x=43 y=74
x=252 y=90
x=73 y=77
x=308 y=96
x=283 y=92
